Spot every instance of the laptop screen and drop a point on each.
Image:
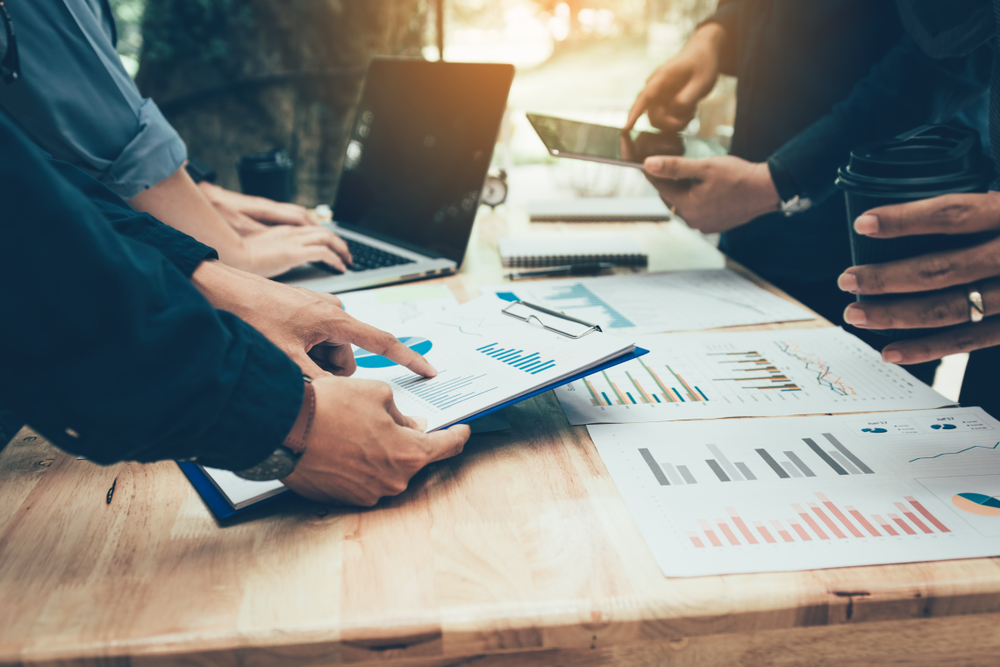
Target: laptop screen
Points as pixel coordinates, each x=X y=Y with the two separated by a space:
x=419 y=151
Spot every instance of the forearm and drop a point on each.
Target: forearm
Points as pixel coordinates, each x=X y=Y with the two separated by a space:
x=178 y=202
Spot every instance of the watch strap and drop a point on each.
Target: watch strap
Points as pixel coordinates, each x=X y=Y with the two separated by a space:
x=299 y=435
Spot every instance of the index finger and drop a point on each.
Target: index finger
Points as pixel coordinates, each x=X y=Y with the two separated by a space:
x=383 y=343
x=949 y=214
x=635 y=113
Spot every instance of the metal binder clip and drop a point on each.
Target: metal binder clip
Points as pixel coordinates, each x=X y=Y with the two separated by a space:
x=526 y=315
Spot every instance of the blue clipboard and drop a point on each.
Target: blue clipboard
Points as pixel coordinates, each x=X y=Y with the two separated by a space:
x=223 y=510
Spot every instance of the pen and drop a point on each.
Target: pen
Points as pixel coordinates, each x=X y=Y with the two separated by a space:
x=566 y=270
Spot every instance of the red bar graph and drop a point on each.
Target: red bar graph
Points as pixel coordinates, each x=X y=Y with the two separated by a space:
x=927 y=515
x=913 y=516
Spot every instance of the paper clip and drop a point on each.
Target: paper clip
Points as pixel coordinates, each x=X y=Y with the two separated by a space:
x=508 y=310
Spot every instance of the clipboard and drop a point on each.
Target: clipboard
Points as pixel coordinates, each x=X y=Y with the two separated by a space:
x=555 y=322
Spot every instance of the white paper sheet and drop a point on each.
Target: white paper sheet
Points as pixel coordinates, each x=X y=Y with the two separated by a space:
x=807 y=493
x=746 y=374
x=644 y=303
x=389 y=306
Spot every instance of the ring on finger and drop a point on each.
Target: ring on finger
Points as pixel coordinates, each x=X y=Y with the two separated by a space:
x=975 y=300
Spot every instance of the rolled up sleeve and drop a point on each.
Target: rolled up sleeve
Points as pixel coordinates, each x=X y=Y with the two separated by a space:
x=77 y=101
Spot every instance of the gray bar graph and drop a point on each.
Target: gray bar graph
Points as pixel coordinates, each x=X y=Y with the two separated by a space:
x=778 y=470
x=686 y=474
x=726 y=465
x=826 y=457
x=672 y=474
x=717 y=469
x=655 y=467
x=792 y=470
x=746 y=471
x=798 y=462
x=849 y=454
x=842 y=460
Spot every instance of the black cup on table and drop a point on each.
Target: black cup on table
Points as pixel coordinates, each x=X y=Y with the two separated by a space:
x=927 y=162
x=270 y=174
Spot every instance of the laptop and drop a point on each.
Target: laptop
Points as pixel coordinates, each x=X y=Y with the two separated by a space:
x=414 y=170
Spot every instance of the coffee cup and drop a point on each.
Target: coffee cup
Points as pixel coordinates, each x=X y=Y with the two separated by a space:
x=929 y=161
x=270 y=174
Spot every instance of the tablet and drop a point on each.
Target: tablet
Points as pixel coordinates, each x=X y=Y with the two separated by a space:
x=613 y=145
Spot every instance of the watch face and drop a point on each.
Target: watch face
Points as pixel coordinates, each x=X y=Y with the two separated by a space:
x=276 y=466
x=494 y=191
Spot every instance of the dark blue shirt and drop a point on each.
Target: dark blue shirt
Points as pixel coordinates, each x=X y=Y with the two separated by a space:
x=107 y=349
x=817 y=78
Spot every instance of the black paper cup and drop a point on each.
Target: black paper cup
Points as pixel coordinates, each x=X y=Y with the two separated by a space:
x=270 y=175
x=928 y=162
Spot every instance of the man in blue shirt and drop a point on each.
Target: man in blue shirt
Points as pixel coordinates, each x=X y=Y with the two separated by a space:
x=76 y=101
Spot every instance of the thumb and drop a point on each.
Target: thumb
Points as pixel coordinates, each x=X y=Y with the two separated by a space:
x=307 y=365
x=674 y=168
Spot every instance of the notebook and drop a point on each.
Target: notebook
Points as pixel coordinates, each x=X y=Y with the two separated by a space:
x=541 y=251
x=599 y=209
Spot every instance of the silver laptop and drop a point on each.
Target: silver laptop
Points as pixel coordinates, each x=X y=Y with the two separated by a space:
x=414 y=170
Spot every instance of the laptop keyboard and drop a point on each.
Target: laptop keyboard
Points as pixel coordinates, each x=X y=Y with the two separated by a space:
x=367 y=258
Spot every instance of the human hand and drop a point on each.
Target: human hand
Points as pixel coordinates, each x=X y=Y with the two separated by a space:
x=934 y=285
x=713 y=194
x=672 y=93
x=276 y=250
x=248 y=214
x=361 y=448
x=310 y=327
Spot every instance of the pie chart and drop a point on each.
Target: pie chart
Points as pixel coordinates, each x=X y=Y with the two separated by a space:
x=977 y=503
x=366 y=359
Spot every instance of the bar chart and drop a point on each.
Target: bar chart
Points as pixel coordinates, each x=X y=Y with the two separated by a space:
x=704 y=376
x=523 y=360
x=817 y=519
x=823 y=456
x=447 y=389
x=799 y=493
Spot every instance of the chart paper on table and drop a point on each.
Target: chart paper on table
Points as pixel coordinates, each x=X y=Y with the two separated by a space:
x=657 y=302
x=746 y=374
x=804 y=493
x=392 y=306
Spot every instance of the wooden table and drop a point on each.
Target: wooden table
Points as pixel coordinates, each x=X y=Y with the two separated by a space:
x=518 y=552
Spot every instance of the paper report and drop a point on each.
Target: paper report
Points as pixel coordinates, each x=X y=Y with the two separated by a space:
x=746 y=374
x=646 y=303
x=803 y=493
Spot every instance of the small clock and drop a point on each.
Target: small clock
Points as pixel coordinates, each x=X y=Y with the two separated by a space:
x=495 y=189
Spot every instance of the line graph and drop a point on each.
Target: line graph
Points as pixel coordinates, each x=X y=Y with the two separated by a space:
x=824 y=374
x=961 y=451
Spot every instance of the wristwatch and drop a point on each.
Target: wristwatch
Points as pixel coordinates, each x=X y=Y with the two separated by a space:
x=790 y=202
x=282 y=461
x=199 y=171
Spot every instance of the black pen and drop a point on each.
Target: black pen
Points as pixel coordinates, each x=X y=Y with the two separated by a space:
x=566 y=270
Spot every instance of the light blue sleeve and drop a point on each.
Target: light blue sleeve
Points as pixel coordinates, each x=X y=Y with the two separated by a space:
x=77 y=101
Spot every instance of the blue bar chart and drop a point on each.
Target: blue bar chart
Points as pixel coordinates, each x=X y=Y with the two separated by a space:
x=523 y=360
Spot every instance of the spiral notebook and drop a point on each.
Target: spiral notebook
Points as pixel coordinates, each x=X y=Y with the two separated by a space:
x=541 y=251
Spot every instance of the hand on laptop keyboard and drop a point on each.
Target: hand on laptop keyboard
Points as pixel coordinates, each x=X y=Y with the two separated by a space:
x=367 y=258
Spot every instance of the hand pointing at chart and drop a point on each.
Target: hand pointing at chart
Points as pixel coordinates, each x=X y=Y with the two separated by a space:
x=309 y=327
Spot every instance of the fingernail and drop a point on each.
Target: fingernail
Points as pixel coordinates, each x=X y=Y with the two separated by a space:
x=653 y=163
x=855 y=315
x=866 y=224
x=433 y=370
x=892 y=356
x=848 y=282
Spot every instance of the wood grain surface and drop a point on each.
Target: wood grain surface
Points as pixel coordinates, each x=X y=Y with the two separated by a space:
x=520 y=551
